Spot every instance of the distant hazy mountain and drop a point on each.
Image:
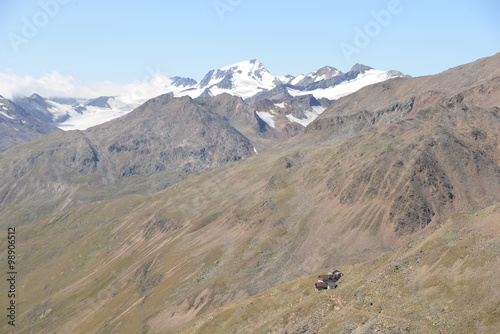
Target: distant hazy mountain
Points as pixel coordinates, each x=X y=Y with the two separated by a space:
x=250 y=79
x=332 y=84
x=183 y=82
x=69 y=114
x=324 y=73
x=18 y=126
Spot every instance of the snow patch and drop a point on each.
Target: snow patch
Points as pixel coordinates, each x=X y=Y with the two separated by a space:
x=93 y=116
x=284 y=79
x=280 y=105
x=323 y=77
x=60 y=110
x=297 y=79
x=311 y=115
x=192 y=93
x=3 y=113
x=267 y=118
x=336 y=92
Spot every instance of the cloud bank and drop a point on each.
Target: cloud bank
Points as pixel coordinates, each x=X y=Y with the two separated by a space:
x=55 y=84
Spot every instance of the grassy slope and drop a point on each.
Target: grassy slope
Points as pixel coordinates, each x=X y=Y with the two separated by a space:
x=444 y=281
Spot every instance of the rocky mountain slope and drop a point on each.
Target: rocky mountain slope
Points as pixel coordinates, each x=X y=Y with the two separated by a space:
x=153 y=147
x=18 y=126
x=449 y=123
x=369 y=187
x=267 y=122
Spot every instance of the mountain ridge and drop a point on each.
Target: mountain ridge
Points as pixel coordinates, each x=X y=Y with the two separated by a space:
x=18 y=125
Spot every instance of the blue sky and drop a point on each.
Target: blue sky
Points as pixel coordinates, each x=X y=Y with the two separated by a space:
x=126 y=40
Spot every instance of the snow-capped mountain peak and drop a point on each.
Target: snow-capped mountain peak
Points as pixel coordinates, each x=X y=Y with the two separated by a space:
x=244 y=79
x=183 y=82
x=323 y=73
x=286 y=78
x=253 y=64
x=360 y=68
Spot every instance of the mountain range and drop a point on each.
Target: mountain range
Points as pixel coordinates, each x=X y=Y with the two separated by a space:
x=249 y=80
x=217 y=214
x=252 y=81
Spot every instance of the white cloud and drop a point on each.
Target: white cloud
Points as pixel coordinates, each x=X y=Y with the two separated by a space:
x=55 y=84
